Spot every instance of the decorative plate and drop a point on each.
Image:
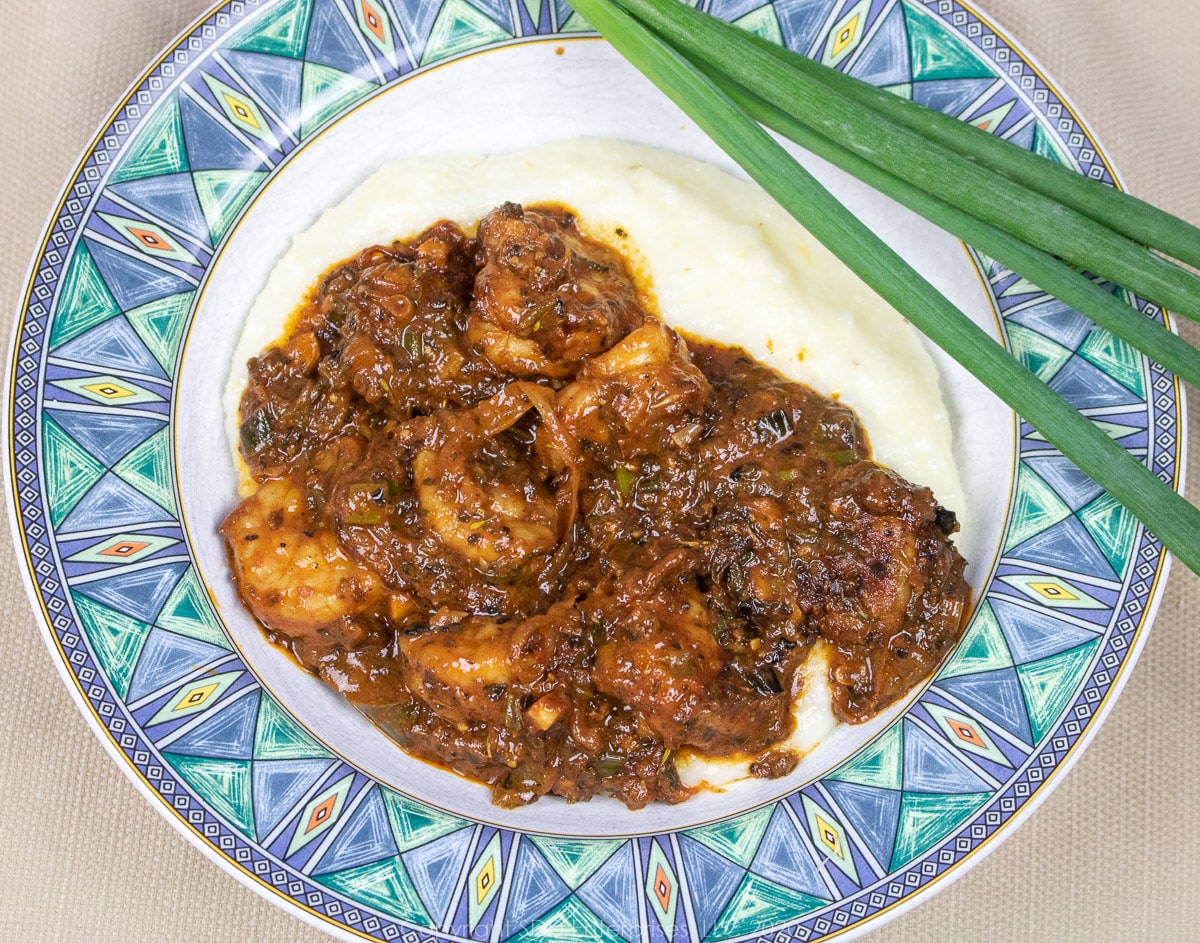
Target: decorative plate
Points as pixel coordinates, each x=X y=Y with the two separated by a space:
x=119 y=474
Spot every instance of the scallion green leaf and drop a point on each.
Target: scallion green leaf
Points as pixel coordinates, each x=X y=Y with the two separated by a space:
x=1042 y=269
x=997 y=199
x=1175 y=522
x=626 y=475
x=1119 y=211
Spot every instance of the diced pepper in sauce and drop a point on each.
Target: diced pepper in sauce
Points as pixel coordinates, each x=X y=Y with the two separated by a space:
x=543 y=540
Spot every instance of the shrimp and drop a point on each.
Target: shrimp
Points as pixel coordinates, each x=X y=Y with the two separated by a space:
x=289 y=568
x=462 y=672
x=489 y=503
x=661 y=655
x=644 y=388
x=546 y=296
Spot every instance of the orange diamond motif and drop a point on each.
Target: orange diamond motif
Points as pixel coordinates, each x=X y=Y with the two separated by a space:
x=126 y=548
x=963 y=732
x=967 y=734
x=662 y=888
x=321 y=813
x=150 y=240
x=371 y=18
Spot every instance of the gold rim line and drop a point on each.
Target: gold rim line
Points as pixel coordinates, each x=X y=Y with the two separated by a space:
x=997 y=552
x=557 y=40
x=1038 y=794
x=972 y=857
x=244 y=213
x=33 y=589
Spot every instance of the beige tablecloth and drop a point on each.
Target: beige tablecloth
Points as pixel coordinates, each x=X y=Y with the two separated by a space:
x=1113 y=854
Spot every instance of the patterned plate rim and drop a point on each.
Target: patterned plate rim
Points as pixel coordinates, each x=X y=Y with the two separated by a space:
x=849 y=907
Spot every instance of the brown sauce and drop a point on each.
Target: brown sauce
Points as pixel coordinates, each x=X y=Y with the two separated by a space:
x=542 y=540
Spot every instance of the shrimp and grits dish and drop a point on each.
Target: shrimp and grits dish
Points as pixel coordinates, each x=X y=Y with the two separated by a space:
x=548 y=520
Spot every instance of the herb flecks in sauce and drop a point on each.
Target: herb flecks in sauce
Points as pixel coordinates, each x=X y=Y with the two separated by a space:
x=540 y=539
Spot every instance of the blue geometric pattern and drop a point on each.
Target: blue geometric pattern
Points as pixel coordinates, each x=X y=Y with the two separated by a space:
x=99 y=341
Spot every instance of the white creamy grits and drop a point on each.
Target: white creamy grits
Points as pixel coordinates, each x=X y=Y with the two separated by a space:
x=723 y=261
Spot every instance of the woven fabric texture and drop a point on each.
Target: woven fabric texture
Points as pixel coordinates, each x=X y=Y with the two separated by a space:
x=1112 y=855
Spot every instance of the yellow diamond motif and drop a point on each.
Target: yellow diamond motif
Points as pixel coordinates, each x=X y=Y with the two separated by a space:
x=486 y=877
x=200 y=695
x=1049 y=591
x=1053 y=591
x=108 y=390
x=845 y=36
x=241 y=111
x=195 y=697
x=830 y=837
x=484 y=880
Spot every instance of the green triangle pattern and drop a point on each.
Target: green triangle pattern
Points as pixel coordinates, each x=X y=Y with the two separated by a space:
x=983 y=647
x=1039 y=353
x=160 y=325
x=1020 y=286
x=1114 y=430
x=991 y=120
x=415 y=824
x=1049 y=685
x=1035 y=507
x=880 y=764
x=1116 y=358
x=116 y=639
x=575 y=860
x=737 y=838
x=938 y=53
x=277 y=736
x=759 y=904
x=187 y=612
x=148 y=469
x=460 y=26
x=763 y=23
x=83 y=301
x=70 y=470
x=325 y=92
x=223 y=784
x=576 y=24
x=903 y=90
x=1113 y=529
x=1044 y=144
x=384 y=885
x=222 y=194
x=986 y=262
x=534 y=9
x=158 y=147
x=926 y=819
x=569 y=922
x=282 y=32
